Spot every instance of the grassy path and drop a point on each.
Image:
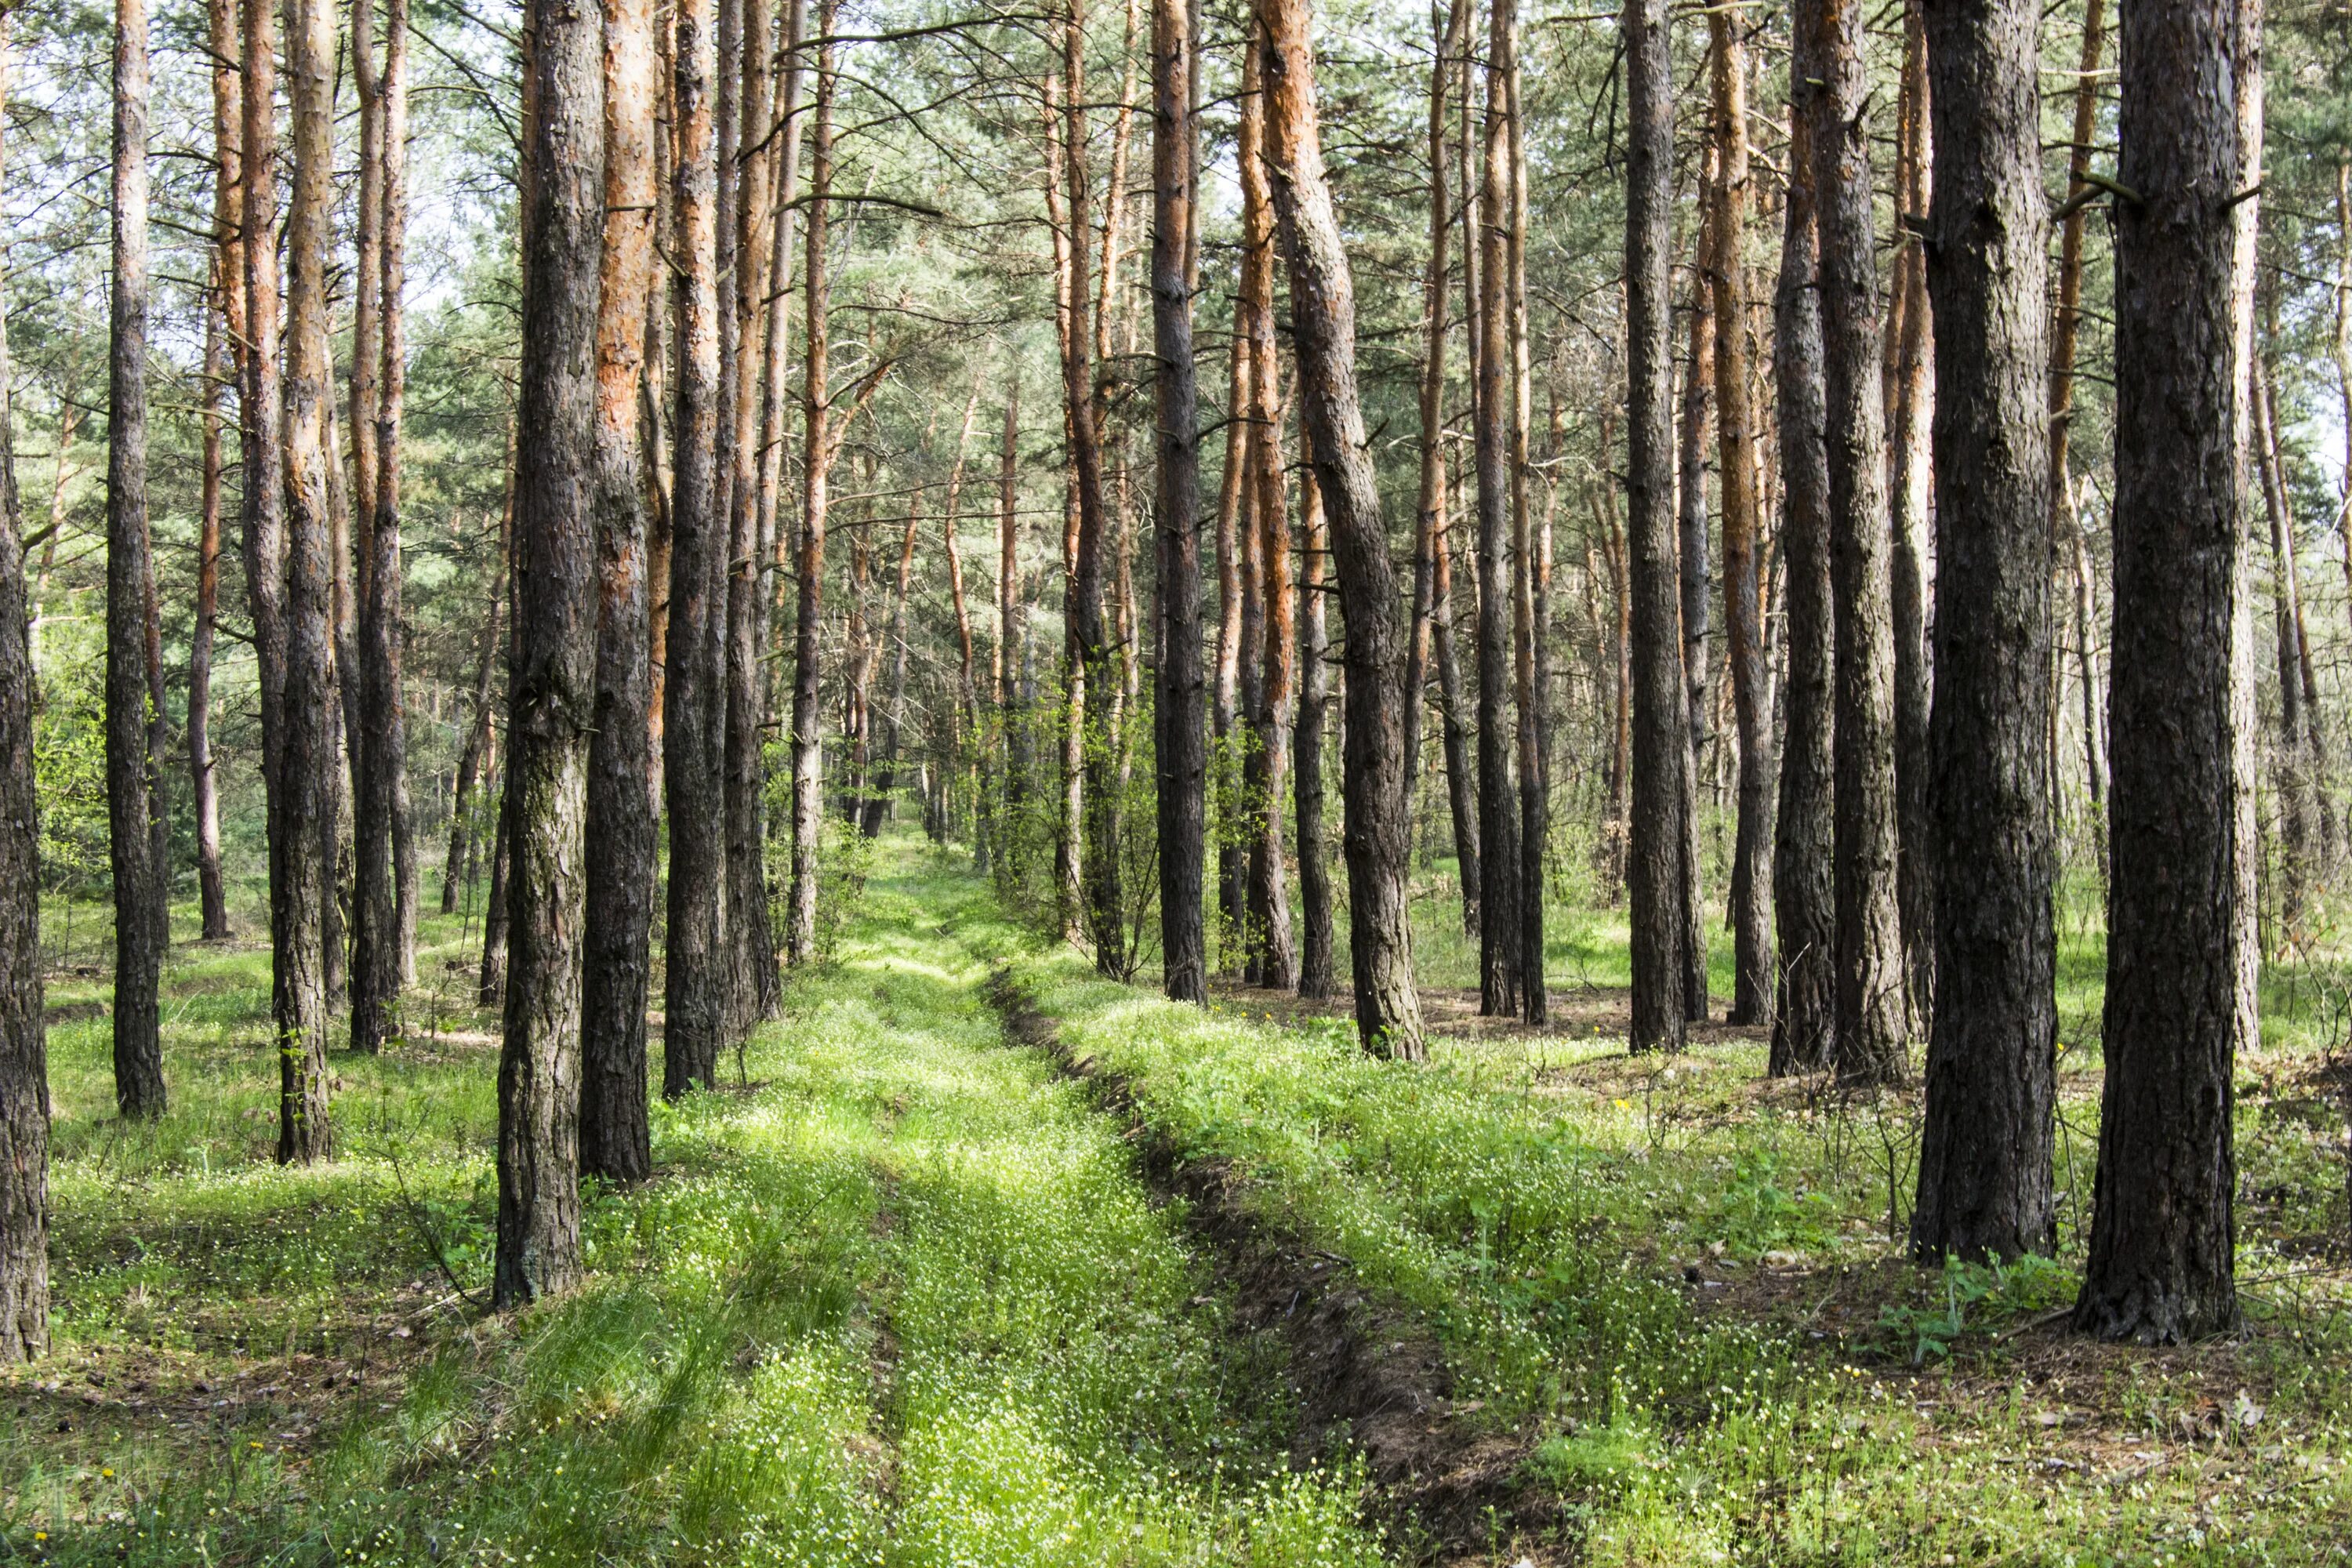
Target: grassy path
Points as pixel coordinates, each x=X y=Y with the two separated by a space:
x=898 y=1300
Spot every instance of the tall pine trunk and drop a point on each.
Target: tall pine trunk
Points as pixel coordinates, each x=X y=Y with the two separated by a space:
x=1911 y=393
x=1985 y=1181
x=1180 y=743
x=1315 y=950
x=224 y=350
x=816 y=465
x=614 y=1134
x=1378 y=836
x=134 y=806
x=2180 y=959
x=1499 y=941
x=1661 y=741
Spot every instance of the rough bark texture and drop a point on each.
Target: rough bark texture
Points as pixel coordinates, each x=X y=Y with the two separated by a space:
x=552 y=701
x=1181 y=741
x=1873 y=1022
x=1461 y=791
x=1912 y=395
x=223 y=363
x=1499 y=945
x=1743 y=621
x=1530 y=587
x=1660 y=710
x=1377 y=834
x=2180 y=958
x=1985 y=1185
x=696 y=981
x=23 y=1058
x=1803 y=891
x=302 y=846
x=133 y=805
x=614 y=1134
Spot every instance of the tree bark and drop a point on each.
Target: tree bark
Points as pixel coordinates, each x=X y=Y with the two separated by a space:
x=1315 y=960
x=1225 y=696
x=2180 y=959
x=696 y=982
x=133 y=790
x=1378 y=833
x=225 y=341
x=1451 y=36
x=552 y=706
x=1661 y=747
x=1743 y=625
x=1529 y=596
x=1461 y=790
x=2298 y=805
x=1499 y=937
x=23 y=1057
x=1912 y=395
x=302 y=846
x=1985 y=1174
x=621 y=872
x=1873 y=1022
x=816 y=465
x=1181 y=746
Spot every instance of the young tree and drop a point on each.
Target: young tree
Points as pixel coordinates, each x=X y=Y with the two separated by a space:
x=23 y=1057
x=1661 y=741
x=1315 y=958
x=1873 y=1015
x=1985 y=1187
x=133 y=808
x=817 y=444
x=552 y=705
x=302 y=845
x=1177 y=716
x=2180 y=956
x=614 y=1135
x=224 y=350
x=696 y=982
x=1743 y=625
x=1378 y=833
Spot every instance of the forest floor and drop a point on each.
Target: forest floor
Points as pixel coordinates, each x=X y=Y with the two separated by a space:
x=981 y=1259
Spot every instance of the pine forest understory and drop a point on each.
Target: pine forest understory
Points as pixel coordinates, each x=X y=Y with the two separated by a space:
x=916 y=783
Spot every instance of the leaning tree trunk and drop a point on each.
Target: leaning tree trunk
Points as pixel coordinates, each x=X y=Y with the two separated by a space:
x=1499 y=942
x=1985 y=1184
x=23 y=1058
x=302 y=850
x=1379 y=831
x=1874 y=1021
x=2180 y=958
x=552 y=706
x=140 y=914
x=1180 y=744
x=1661 y=712
x=614 y=1134
x=1743 y=621
x=1803 y=888
x=696 y=981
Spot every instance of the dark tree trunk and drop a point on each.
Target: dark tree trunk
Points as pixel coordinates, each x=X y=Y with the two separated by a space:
x=302 y=848
x=1225 y=696
x=1985 y=1187
x=1315 y=962
x=1743 y=622
x=23 y=1058
x=1530 y=587
x=614 y=1134
x=1690 y=469
x=1660 y=706
x=696 y=980
x=1499 y=939
x=140 y=914
x=492 y=989
x=1912 y=395
x=552 y=707
x=1803 y=887
x=816 y=467
x=1873 y=1023
x=2180 y=959
x=1180 y=745
x=1461 y=791
x=1377 y=834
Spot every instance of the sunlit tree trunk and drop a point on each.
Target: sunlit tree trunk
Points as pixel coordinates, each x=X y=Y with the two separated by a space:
x=816 y=451
x=140 y=914
x=1315 y=960
x=621 y=872
x=1377 y=834
x=1499 y=939
x=224 y=350
x=1529 y=690
x=1910 y=393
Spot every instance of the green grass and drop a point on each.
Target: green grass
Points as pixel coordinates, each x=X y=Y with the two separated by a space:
x=899 y=1300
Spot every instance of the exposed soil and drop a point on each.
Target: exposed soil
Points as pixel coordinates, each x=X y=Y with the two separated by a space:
x=1363 y=1374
